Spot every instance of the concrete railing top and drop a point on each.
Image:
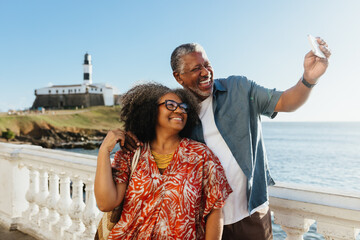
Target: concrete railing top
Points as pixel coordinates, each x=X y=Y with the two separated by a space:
x=49 y=158
x=316 y=195
x=296 y=207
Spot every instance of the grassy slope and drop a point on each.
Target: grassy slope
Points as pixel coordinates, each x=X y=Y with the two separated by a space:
x=100 y=118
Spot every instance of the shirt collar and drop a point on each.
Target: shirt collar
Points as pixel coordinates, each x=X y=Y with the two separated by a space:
x=218 y=87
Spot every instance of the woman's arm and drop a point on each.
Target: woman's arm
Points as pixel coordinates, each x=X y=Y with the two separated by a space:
x=214 y=225
x=108 y=194
x=216 y=191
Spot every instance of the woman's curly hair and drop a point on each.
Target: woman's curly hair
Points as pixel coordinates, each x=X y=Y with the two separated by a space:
x=140 y=109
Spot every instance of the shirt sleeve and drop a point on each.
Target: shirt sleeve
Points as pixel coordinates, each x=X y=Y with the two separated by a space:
x=216 y=187
x=121 y=167
x=265 y=99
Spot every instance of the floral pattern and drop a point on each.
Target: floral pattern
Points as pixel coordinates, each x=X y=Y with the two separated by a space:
x=172 y=205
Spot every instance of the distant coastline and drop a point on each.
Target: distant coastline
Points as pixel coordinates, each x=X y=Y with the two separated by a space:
x=83 y=128
x=80 y=128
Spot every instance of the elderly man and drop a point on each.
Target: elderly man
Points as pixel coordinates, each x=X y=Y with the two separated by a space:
x=230 y=126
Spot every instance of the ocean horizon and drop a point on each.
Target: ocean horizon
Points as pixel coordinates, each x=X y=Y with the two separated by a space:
x=322 y=154
x=325 y=154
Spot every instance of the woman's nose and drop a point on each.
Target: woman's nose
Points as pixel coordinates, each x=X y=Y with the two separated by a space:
x=178 y=110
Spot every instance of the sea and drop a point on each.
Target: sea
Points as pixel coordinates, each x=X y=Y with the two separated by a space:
x=325 y=154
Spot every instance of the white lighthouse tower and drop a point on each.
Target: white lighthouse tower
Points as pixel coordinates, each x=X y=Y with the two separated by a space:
x=87 y=69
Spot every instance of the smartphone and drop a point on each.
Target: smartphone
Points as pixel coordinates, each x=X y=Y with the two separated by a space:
x=315 y=47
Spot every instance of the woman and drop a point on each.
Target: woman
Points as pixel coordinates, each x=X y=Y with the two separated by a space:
x=178 y=187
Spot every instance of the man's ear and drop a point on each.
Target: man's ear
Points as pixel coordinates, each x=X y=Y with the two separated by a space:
x=177 y=77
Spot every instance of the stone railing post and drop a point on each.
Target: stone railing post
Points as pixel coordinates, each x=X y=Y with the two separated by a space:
x=76 y=209
x=31 y=195
x=63 y=206
x=41 y=197
x=336 y=232
x=296 y=207
x=294 y=225
x=91 y=211
x=51 y=202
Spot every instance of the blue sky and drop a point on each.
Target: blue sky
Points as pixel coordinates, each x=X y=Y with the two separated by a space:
x=44 y=42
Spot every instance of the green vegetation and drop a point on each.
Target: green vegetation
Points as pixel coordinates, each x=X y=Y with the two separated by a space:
x=97 y=118
x=8 y=134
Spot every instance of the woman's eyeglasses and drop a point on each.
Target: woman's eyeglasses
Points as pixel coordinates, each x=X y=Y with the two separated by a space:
x=172 y=105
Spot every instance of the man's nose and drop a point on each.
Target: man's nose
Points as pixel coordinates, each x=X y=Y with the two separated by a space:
x=204 y=71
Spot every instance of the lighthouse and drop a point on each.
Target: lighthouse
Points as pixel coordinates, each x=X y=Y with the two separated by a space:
x=87 y=69
x=82 y=95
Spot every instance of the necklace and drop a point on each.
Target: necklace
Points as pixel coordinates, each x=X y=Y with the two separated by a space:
x=162 y=160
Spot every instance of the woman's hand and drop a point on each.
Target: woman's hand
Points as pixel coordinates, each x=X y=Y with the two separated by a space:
x=113 y=137
x=108 y=194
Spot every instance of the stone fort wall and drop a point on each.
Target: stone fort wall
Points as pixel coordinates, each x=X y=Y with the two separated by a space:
x=61 y=101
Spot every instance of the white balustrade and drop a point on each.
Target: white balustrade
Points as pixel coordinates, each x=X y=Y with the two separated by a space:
x=75 y=211
x=296 y=207
x=294 y=226
x=63 y=205
x=40 y=198
x=31 y=193
x=91 y=211
x=337 y=232
x=52 y=214
x=53 y=197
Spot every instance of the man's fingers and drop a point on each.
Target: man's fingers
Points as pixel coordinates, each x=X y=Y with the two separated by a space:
x=127 y=148
x=324 y=47
x=130 y=140
x=129 y=144
x=133 y=138
x=127 y=140
x=325 y=50
x=309 y=54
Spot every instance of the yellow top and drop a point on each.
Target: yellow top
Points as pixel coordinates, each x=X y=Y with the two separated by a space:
x=162 y=160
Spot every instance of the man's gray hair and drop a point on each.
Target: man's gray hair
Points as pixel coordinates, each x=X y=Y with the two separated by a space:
x=180 y=51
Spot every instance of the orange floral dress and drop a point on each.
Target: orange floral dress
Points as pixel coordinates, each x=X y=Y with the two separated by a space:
x=172 y=205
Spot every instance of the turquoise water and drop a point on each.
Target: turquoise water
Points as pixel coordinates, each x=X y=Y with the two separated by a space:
x=320 y=154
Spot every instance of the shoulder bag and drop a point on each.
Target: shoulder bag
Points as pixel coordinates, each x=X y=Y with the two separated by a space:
x=109 y=219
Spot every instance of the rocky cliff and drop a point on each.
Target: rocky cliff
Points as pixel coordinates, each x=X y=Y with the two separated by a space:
x=62 y=129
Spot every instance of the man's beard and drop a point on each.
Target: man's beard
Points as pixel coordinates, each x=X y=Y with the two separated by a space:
x=200 y=94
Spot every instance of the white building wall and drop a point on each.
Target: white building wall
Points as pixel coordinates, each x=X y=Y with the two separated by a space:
x=108 y=96
x=61 y=90
x=95 y=90
x=70 y=90
x=106 y=90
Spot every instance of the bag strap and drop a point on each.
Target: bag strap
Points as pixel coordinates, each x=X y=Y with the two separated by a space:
x=135 y=161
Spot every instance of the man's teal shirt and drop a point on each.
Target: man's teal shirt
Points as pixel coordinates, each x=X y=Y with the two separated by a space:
x=238 y=104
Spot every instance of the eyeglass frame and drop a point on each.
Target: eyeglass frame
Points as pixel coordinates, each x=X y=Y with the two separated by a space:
x=183 y=106
x=198 y=68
